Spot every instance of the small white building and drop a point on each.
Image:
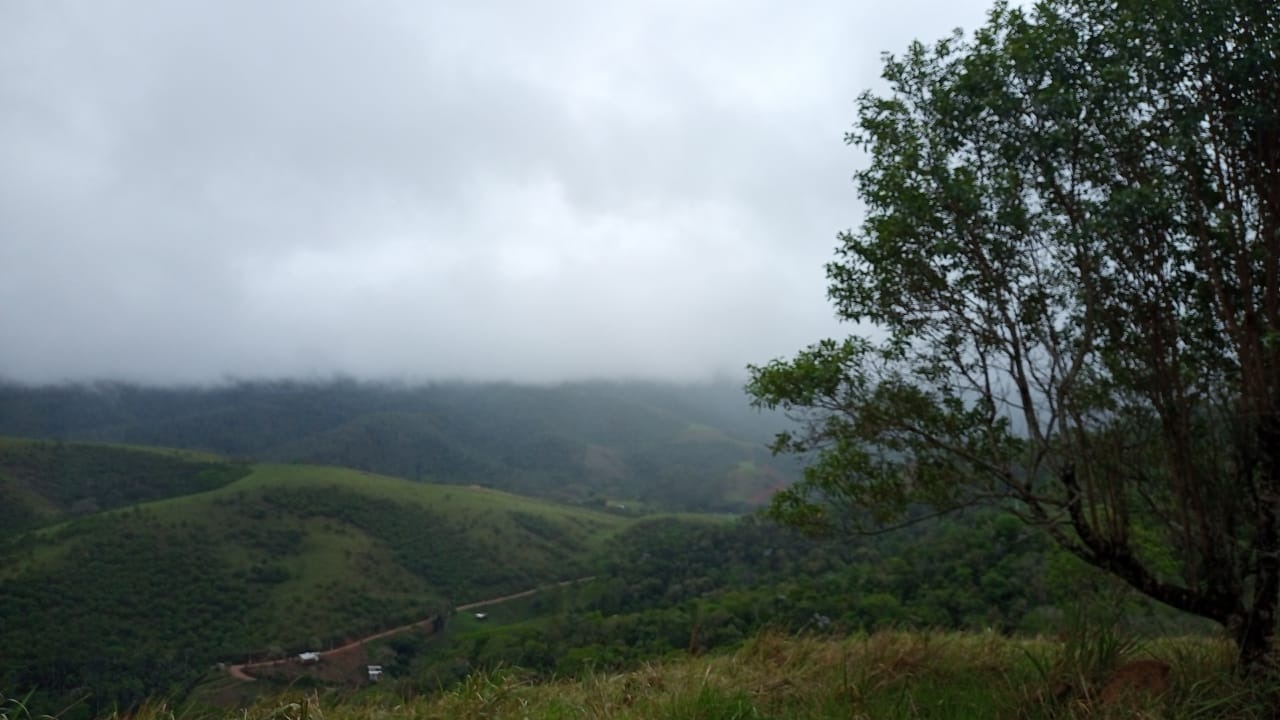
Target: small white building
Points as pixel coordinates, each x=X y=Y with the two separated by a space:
x=308 y=658
x=375 y=672
x=481 y=616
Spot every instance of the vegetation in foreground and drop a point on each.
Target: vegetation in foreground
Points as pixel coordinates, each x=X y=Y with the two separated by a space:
x=1070 y=257
x=141 y=601
x=888 y=674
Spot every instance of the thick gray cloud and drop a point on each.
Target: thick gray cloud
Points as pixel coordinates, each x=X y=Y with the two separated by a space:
x=533 y=191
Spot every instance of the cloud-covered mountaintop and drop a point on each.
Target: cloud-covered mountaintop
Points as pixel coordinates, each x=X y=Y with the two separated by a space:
x=530 y=191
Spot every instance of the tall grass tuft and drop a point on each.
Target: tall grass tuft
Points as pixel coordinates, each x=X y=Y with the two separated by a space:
x=774 y=676
x=13 y=708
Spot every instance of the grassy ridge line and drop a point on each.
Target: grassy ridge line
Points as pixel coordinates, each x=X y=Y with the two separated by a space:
x=46 y=482
x=276 y=475
x=885 y=675
x=11 y=441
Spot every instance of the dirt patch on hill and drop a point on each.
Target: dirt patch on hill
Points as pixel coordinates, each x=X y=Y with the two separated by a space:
x=345 y=666
x=330 y=666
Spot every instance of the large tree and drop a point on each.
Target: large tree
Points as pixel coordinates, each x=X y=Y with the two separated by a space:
x=1066 y=293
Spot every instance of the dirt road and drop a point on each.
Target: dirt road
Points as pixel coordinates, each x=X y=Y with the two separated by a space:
x=517 y=596
x=238 y=671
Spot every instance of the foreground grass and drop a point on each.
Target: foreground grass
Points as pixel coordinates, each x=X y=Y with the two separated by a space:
x=886 y=675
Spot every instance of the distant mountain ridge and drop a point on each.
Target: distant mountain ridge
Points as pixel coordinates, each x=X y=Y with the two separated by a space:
x=674 y=447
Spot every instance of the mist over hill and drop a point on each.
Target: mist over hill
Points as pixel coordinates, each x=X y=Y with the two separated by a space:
x=678 y=447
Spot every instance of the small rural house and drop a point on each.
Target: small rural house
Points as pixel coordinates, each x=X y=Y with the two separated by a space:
x=481 y=616
x=375 y=672
x=308 y=658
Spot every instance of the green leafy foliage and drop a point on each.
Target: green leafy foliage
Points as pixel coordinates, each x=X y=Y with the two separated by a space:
x=1068 y=274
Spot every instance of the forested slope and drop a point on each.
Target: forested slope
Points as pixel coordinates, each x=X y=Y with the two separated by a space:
x=142 y=600
x=670 y=447
x=680 y=584
x=45 y=482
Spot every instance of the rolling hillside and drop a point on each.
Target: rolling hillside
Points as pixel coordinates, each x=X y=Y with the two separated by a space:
x=143 y=600
x=145 y=597
x=668 y=447
x=46 y=482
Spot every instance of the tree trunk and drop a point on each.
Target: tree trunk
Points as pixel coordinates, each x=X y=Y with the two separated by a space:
x=1254 y=633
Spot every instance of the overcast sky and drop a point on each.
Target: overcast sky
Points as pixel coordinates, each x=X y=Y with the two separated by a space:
x=196 y=191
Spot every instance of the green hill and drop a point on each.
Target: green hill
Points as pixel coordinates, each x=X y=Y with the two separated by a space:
x=45 y=482
x=145 y=598
x=671 y=447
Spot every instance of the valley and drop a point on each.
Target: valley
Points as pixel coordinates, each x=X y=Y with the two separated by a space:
x=130 y=571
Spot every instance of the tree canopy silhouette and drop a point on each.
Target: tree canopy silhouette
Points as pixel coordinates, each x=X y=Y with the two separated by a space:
x=1066 y=293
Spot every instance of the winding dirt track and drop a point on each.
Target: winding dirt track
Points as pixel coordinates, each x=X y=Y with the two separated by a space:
x=238 y=671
